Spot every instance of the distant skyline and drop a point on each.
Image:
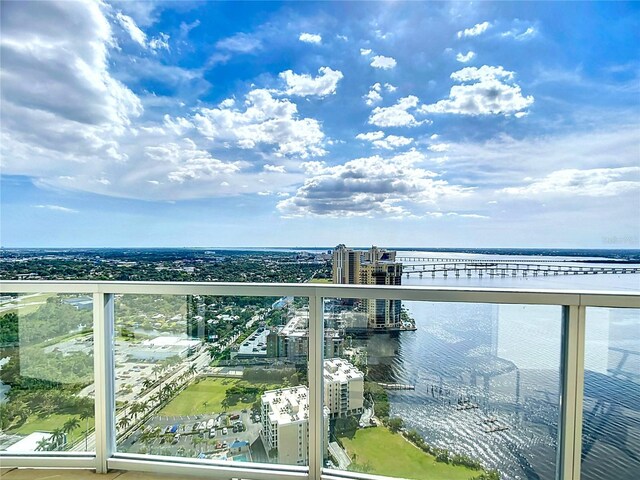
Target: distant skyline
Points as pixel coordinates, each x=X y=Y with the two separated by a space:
x=253 y=124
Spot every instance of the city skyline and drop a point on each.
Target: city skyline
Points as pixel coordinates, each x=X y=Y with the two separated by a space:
x=200 y=124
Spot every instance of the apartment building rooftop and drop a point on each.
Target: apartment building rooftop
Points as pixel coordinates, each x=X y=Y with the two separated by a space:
x=287 y=405
x=339 y=370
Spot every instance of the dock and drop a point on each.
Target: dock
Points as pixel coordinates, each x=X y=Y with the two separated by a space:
x=396 y=386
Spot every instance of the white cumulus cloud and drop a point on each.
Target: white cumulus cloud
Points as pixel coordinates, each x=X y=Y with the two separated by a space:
x=385 y=63
x=370 y=136
x=265 y=121
x=390 y=142
x=373 y=96
x=521 y=35
x=365 y=52
x=310 y=38
x=484 y=91
x=466 y=57
x=274 y=168
x=305 y=85
x=396 y=115
x=477 y=29
x=372 y=186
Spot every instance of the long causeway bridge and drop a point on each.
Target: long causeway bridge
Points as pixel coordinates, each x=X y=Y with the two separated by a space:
x=510 y=269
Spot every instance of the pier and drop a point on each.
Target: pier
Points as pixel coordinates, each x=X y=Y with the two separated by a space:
x=510 y=269
x=396 y=386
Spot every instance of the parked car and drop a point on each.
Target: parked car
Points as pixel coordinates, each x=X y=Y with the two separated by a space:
x=212 y=433
x=225 y=431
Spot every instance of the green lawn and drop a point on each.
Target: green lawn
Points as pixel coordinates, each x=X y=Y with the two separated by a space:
x=203 y=397
x=23 y=307
x=51 y=422
x=390 y=454
x=320 y=280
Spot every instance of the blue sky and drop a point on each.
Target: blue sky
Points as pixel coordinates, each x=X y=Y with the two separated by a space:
x=438 y=124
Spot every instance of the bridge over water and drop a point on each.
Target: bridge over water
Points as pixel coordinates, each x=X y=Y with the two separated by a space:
x=511 y=269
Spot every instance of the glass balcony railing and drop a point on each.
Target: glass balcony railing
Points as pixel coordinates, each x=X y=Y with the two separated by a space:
x=269 y=381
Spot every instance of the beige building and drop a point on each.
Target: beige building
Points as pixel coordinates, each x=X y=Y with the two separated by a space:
x=375 y=266
x=382 y=314
x=343 y=388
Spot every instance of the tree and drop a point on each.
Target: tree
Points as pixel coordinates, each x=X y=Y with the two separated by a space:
x=86 y=414
x=71 y=425
x=58 y=437
x=395 y=424
x=43 y=445
x=135 y=409
x=124 y=422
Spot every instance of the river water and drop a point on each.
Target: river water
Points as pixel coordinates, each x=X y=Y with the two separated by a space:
x=487 y=377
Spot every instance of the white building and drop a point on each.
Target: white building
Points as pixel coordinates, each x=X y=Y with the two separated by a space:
x=161 y=348
x=31 y=442
x=343 y=388
x=285 y=412
x=285 y=424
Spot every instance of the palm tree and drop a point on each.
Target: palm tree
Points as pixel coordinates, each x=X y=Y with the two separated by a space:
x=57 y=437
x=86 y=415
x=135 y=409
x=43 y=445
x=71 y=425
x=124 y=422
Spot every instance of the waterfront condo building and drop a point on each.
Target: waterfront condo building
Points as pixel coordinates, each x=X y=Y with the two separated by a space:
x=382 y=314
x=343 y=388
x=285 y=425
x=375 y=266
x=346 y=265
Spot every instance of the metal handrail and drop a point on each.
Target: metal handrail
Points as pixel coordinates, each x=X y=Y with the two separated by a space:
x=573 y=303
x=585 y=297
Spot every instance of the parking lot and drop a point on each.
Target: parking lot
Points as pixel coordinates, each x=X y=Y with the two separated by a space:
x=190 y=436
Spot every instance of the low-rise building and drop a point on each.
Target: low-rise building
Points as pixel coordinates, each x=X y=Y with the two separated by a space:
x=285 y=425
x=33 y=442
x=161 y=348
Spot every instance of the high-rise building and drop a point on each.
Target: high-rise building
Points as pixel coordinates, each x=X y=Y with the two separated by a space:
x=382 y=314
x=346 y=265
x=293 y=339
x=375 y=266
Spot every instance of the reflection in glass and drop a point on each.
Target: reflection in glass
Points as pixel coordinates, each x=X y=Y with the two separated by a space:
x=218 y=378
x=46 y=373
x=474 y=386
x=611 y=416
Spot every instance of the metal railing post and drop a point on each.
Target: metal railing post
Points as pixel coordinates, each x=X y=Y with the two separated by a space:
x=572 y=394
x=316 y=400
x=104 y=377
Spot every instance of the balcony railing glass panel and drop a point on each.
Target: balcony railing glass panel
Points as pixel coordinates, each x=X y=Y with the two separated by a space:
x=473 y=385
x=611 y=416
x=46 y=373
x=212 y=378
